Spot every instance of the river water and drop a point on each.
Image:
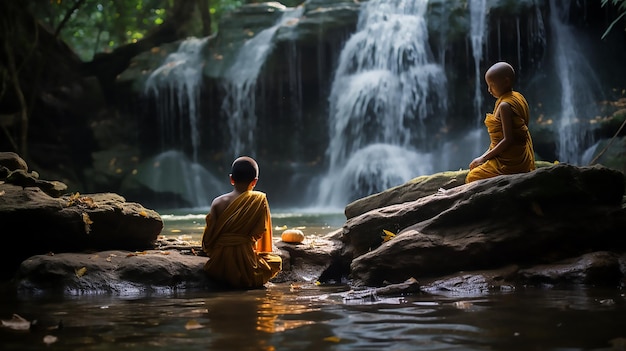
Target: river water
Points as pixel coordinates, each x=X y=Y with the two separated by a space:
x=306 y=316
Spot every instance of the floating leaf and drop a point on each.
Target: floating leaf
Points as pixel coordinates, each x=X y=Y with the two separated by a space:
x=50 y=339
x=193 y=324
x=17 y=322
x=332 y=339
x=294 y=287
x=387 y=235
x=80 y=272
x=463 y=305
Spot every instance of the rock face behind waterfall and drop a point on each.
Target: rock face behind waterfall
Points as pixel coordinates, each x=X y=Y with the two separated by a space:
x=549 y=217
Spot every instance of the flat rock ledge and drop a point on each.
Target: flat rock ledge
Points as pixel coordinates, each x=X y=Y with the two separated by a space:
x=560 y=225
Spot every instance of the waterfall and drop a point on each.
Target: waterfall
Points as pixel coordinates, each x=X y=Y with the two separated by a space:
x=478 y=30
x=385 y=86
x=240 y=82
x=175 y=85
x=578 y=83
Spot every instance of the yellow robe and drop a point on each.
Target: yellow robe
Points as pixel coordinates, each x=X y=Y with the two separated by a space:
x=239 y=243
x=519 y=157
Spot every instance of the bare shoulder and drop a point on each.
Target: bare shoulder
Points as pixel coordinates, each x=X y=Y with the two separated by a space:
x=220 y=203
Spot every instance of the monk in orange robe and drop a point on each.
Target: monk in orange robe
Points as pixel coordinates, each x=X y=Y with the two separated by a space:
x=511 y=147
x=238 y=232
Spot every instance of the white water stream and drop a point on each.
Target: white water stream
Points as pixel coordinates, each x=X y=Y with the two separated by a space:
x=385 y=86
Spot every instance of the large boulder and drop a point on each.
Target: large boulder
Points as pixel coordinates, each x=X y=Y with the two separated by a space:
x=34 y=222
x=539 y=217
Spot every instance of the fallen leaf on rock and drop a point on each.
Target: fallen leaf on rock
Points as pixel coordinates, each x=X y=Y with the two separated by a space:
x=88 y=222
x=80 y=272
x=387 y=235
x=17 y=322
x=143 y=214
x=1 y=192
x=165 y=252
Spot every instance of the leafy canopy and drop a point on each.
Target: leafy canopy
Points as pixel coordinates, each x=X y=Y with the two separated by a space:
x=94 y=26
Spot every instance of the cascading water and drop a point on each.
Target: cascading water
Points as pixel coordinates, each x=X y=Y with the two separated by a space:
x=385 y=86
x=478 y=31
x=175 y=86
x=240 y=82
x=578 y=84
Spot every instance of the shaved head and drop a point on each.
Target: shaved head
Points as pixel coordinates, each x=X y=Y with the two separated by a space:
x=244 y=170
x=501 y=70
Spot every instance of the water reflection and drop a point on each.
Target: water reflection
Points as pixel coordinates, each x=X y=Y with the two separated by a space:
x=310 y=317
x=266 y=319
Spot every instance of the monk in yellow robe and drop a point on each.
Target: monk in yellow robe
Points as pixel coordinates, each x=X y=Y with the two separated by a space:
x=238 y=232
x=511 y=147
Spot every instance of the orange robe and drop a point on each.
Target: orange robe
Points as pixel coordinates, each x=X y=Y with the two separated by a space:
x=519 y=157
x=239 y=243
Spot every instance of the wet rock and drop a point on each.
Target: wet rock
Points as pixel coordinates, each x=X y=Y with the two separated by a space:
x=12 y=161
x=111 y=272
x=304 y=262
x=596 y=268
x=37 y=219
x=539 y=217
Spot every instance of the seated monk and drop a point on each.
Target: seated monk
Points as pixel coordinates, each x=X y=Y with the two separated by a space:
x=511 y=147
x=238 y=232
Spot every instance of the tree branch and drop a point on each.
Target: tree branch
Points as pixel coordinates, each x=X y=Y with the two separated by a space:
x=69 y=13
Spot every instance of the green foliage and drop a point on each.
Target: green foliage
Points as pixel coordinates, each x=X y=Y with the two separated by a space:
x=621 y=7
x=99 y=26
x=95 y=26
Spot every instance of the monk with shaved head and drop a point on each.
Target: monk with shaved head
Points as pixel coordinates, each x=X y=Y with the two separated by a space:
x=238 y=232
x=511 y=147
